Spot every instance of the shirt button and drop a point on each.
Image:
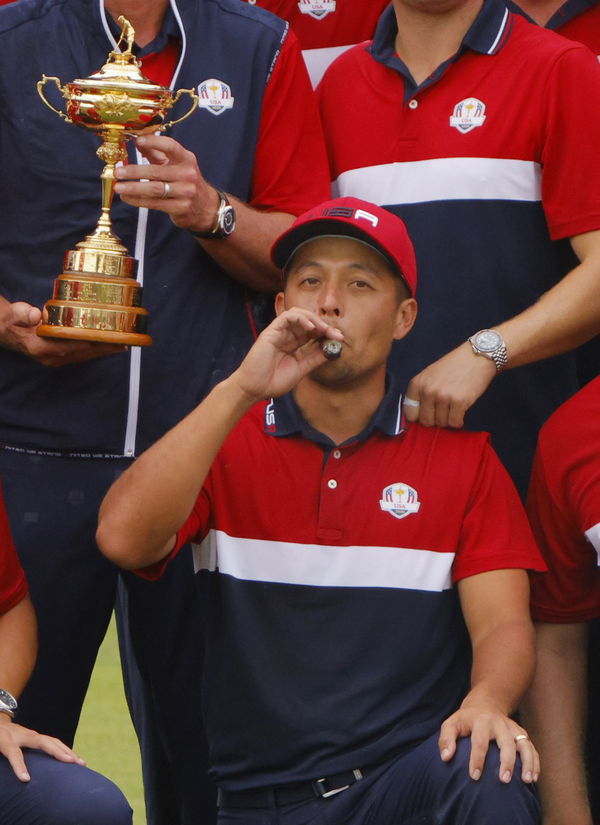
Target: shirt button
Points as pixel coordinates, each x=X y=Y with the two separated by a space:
x=332 y=483
x=413 y=104
x=337 y=453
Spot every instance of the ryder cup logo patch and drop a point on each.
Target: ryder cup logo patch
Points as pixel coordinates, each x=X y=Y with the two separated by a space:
x=399 y=500
x=468 y=114
x=215 y=96
x=317 y=8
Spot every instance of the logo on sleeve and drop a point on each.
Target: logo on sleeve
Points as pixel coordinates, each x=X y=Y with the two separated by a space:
x=316 y=8
x=468 y=114
x=399 y=500
x=215 y=96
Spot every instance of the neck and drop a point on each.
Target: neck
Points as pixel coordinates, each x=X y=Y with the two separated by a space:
x=428 y=36
x=145 y=16
x=540 y=10
x=340 y=413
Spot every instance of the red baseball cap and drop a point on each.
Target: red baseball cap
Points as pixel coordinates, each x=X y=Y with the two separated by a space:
x=353 y=218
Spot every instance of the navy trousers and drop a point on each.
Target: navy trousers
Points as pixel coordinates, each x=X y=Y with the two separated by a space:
x=416 y=788
x=59 y=794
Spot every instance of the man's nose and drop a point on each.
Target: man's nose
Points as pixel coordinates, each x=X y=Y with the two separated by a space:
x=330 y=303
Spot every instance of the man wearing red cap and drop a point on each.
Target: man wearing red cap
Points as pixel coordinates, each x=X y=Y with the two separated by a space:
x=365 y=579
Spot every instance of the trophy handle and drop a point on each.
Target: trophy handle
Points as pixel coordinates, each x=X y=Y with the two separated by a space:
x=194 y=105
x=40 y=84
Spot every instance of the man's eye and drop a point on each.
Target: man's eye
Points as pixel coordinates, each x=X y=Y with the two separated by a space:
x=361 y=284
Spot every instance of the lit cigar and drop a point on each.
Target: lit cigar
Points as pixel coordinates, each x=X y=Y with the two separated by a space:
x=332 y=349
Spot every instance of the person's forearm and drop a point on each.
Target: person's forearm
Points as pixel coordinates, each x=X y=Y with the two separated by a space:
x=148 y=504
x=244 y=255
x=565 y=316
x=554 y=711
x=18 y=646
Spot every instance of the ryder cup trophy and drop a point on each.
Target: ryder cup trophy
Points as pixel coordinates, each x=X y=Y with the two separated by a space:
x=97 y=297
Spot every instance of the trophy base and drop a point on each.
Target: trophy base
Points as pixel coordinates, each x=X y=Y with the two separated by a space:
x=100 y=336
x=100 y=323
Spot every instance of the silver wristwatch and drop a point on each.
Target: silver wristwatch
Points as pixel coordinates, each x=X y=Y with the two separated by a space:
x=490 y=344
x=8 y=703
x=224 y=220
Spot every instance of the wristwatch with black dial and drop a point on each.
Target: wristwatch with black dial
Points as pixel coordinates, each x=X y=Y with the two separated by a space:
x=490 y=344
x=224 y=220
x=8 y=703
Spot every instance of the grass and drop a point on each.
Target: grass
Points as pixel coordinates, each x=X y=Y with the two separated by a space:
x=105 y=737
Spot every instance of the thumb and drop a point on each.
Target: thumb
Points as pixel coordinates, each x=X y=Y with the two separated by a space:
x=25 y=315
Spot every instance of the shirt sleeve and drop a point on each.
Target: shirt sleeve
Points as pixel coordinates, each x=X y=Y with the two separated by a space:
x=290 y=171
x=495 y=533
x=564 y=509
x=570 y=168
x=13 y=585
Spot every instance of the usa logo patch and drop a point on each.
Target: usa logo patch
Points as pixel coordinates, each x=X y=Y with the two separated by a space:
x=316 y=8
x=214 y=96
x=468 y=114
x=399 y=500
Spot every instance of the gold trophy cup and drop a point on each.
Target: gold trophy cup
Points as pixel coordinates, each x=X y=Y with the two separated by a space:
x=97 y=297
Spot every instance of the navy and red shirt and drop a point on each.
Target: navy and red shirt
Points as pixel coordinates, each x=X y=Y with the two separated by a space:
x=564 y=509
x=13 y=586
x=326 y=28
x=335 y=638
x=492 y=164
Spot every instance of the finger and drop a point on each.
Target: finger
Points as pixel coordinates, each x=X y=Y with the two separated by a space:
x=57 y=749
x=15 y=758
x=412 y=402
x=441 y=413
x=25 y=315
x=480 y=742
x=529 y=758
x=161 y=149
x=456 y=415
x=508 y=755
x=447 y=740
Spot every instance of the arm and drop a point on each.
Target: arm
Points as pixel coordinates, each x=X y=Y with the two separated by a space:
x=496 y=610
x=192 y=204
x=18 y=647
x=144 y=509
x=564 y=317
x=18 y=322
x=555 y=713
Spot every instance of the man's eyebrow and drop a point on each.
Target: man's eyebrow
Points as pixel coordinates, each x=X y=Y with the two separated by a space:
x=318 y=264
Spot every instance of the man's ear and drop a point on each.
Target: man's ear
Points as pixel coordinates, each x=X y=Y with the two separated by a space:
x=279 y=303
x=406 y=315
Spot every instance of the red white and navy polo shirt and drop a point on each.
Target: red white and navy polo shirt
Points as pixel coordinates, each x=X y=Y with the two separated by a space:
x=326 y=28
x=335 y=638
x=564 y=510
x=13 y=586
x=492 y=162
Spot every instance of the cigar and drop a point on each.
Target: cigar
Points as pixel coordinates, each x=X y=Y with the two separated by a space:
x=332 y=349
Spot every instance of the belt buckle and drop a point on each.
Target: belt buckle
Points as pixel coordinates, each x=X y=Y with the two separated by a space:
x=321 y=788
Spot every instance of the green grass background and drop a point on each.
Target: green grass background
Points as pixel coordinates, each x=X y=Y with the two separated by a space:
x=105 y=737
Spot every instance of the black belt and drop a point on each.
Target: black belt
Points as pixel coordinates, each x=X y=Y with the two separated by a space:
x=289 y=794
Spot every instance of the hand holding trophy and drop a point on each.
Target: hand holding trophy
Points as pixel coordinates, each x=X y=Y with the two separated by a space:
x=97 y=298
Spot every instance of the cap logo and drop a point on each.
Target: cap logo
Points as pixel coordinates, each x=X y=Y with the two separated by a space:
x=346 y=212
x=399 y=500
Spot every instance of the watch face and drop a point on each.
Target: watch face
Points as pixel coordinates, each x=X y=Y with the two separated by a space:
x=7 y=700
x=488 y=340
x=228 y=220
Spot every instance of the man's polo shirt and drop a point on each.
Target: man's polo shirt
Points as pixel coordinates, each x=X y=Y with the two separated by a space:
x=492 y=162
x=564 y=509
x=578 y=20
x=326 y=28
x=335 y=638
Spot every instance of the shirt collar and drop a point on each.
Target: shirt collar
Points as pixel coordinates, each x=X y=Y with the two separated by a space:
x=284 y=418
x=170 y=28
x=486 y=35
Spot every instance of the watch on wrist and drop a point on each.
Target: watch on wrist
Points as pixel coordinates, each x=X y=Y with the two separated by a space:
x=224 y=220
x=8 y=703
x=490 y=344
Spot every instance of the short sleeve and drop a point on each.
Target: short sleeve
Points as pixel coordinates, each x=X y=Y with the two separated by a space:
x=495 y=533
x=291 y=173
x=570 y=168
